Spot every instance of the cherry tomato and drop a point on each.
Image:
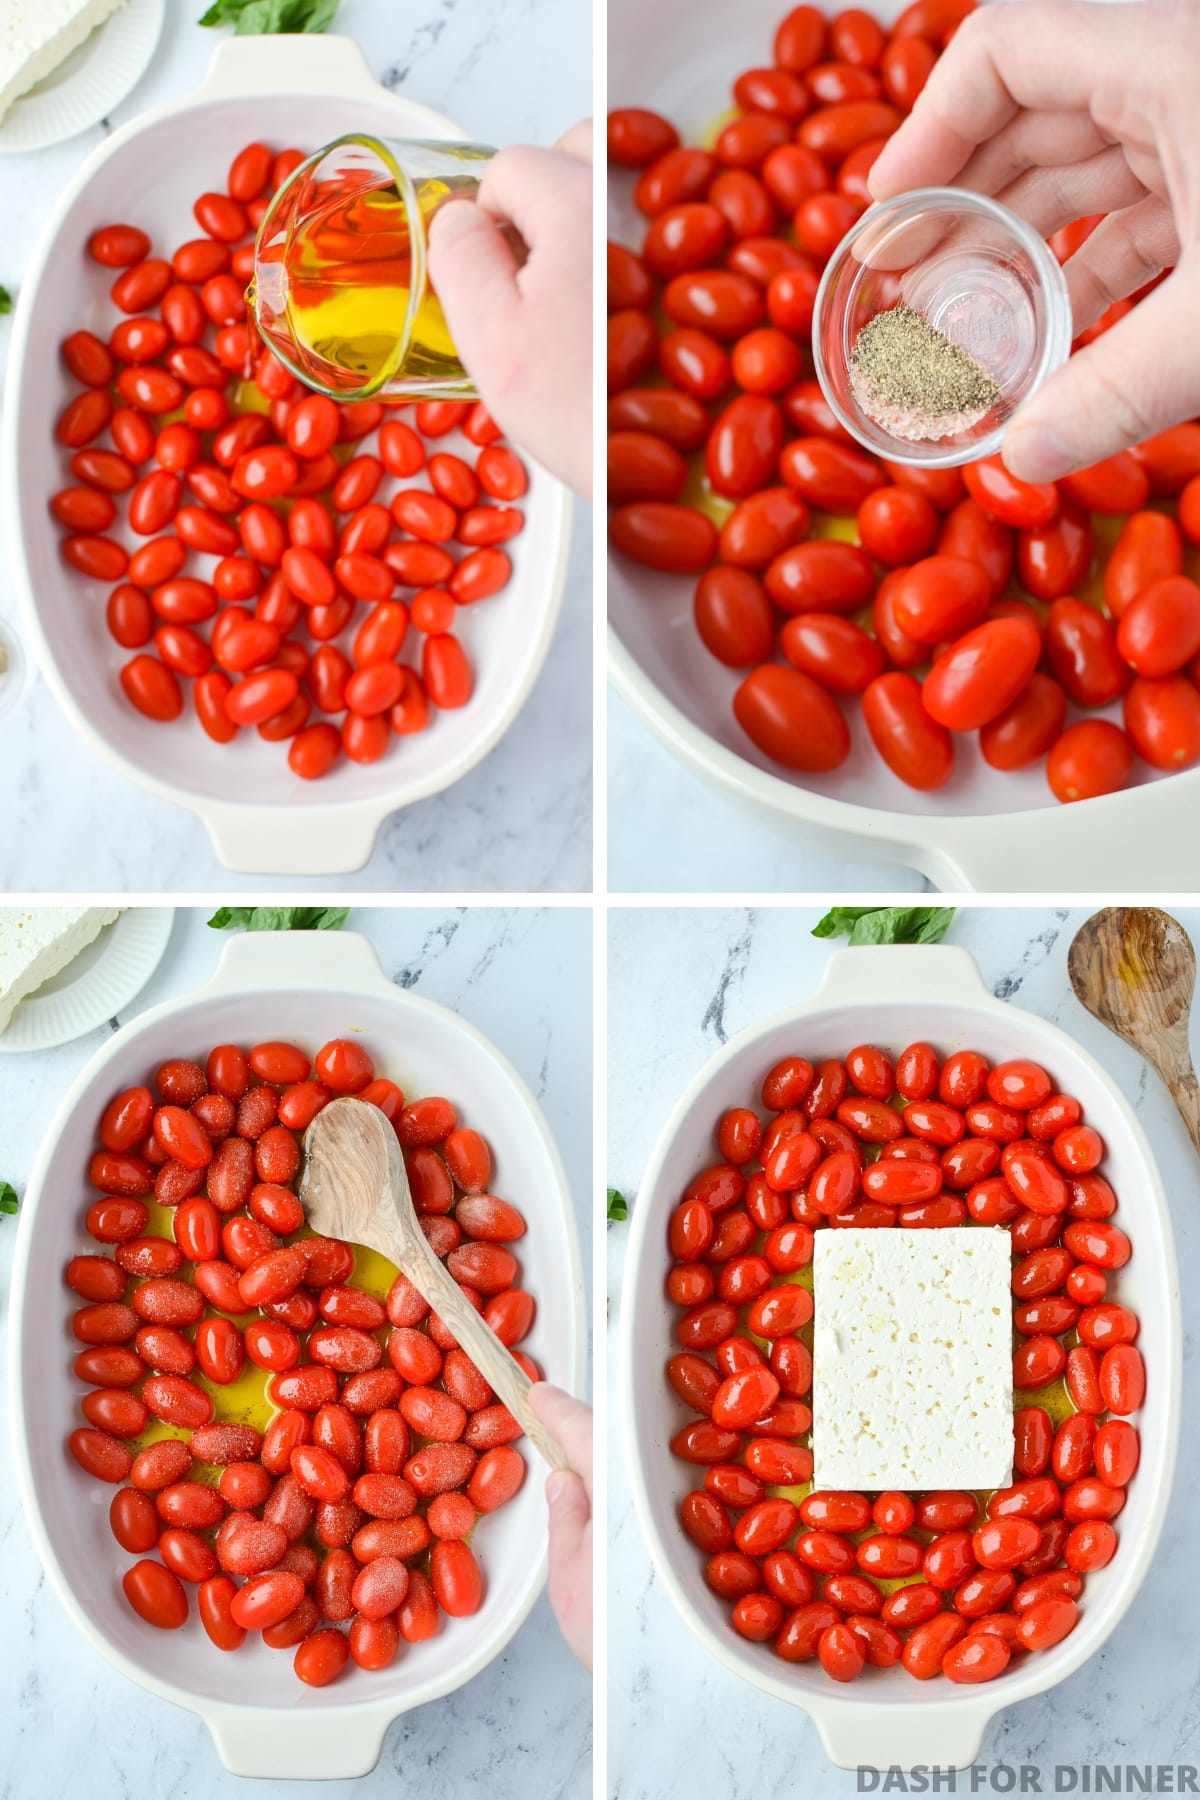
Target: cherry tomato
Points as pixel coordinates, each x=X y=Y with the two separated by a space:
x=820 y=576
x=982 y=674
x=734 y=617
x=663 y=536
x=1148 y=548
x=791 y=719
x=1162 y=719
x=1081 y=648
x=940 y=597
x=897 y=525
x=833 y=650
x=1091 y=758
x=1026 y=729
x=915 y=746
x=638 y=137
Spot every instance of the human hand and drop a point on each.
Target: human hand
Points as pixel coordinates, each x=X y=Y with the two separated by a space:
x=1061 y=111
x=569 y=1494
x=524 y=331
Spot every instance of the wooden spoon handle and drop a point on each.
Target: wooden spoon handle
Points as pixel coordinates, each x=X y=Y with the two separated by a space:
x=412 y=1253
x=1185 y=1092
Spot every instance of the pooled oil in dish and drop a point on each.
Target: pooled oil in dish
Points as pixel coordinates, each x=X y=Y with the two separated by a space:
x=246 y=1401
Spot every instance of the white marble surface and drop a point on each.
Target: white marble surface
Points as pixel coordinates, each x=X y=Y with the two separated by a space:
x=672 y=832
x=680 y=1724
x=514 y=71
x=523 y=977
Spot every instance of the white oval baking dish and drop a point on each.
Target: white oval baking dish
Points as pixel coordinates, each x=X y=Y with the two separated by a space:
x=307 y=987
x=984 y=831
x=303 y=89
x=892 y=996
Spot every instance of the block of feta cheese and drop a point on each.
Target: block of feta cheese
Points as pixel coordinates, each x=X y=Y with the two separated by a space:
x=912 y=1359
x=36 y=945
x=37 y=35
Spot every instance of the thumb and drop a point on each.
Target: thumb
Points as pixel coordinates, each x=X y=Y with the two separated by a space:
x=473 y=272
x=570 y=1511
x=1137 y=379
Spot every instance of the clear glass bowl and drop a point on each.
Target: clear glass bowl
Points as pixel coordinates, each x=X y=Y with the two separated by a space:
x=971 y=269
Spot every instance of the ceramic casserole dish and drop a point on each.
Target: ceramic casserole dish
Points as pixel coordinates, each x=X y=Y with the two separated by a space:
x=892 y=996
x=302 y=90
x=305 y=987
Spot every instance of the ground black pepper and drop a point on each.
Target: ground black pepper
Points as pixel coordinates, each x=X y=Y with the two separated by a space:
x=916 y=382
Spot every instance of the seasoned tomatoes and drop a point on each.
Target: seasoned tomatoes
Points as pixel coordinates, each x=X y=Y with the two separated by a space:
x=945 y=1583
x=291 y=1436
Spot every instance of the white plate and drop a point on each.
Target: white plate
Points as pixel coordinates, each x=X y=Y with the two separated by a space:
x=96 y=985
x=89 y=83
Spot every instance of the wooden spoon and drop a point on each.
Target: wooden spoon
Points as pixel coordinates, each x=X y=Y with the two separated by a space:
x=355 y=1187
x=1134 y=969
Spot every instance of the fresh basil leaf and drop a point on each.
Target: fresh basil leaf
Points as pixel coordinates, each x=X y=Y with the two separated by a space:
x=5 y=300
x=840 y=921
x=332 y=918
x=886 y=924
x=280 y=918
x=255 y=17
x=227 y=916
x=223 y=12
x=9 y=1200
x=618 y=1206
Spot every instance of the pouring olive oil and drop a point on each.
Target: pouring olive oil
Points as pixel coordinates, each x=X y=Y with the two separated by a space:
x=341 y=289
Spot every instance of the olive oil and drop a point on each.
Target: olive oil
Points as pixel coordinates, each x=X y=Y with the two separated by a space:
x=341 y=290
x=246 y=1401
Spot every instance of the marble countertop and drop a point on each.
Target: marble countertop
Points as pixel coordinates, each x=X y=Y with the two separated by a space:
x=520 y=821
x=680 y=1724
x=666 y=820
x=524 y=978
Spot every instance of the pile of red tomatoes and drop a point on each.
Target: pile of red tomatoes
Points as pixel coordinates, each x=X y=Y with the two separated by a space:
x=968 y=602
x=336 y=1526
x=217 y=452
x=944 y=1582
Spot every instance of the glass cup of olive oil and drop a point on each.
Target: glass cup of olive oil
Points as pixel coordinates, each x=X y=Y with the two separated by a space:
x=341 y=289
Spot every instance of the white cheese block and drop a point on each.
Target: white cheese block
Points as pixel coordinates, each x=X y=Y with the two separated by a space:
x=912 y=1359
x=37 y=35
x=36 y=945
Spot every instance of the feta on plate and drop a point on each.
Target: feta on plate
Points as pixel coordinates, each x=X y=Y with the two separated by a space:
x=36 y=945
x=912 y=1359
x=37 y=35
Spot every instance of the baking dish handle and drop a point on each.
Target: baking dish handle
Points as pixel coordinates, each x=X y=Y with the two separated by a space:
x=311 y=840
x=874 y=973
x=298 y=959
x=1130 y=840
x=940 y=1736
x=307 y=63
x=316 y=62
x=303 y=1745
